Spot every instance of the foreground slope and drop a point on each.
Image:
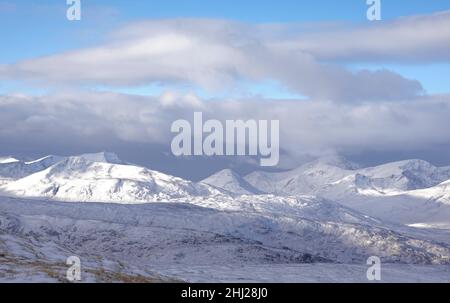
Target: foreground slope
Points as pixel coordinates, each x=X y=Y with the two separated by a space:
x=183 y=233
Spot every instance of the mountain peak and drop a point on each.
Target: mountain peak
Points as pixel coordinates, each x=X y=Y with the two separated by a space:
x=106 y=157
x=229 y=180
x=93 y=178
x=228 y=173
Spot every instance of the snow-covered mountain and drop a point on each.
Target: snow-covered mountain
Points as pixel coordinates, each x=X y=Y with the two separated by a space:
x=310 y=178
x=230 y=181
x=406 y=192
x=98 y=178
x=104 y=157
x=387 y=191
x=333 y=179
x=405 y=175
x=13 y=169
x=328 y=211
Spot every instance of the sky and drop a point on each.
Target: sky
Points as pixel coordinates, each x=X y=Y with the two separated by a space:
x=373 y=91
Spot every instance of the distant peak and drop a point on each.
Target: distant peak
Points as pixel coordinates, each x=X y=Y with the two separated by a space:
x=106 y=157
x=229 y=180
x=227 y=172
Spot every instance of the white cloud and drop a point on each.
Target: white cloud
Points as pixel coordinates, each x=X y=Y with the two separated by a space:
x=419 y=39
x=216 y=55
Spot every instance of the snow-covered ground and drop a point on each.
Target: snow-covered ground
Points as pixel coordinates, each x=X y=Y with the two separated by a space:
x=317 y=223
x=182 y=235
x=308 y=273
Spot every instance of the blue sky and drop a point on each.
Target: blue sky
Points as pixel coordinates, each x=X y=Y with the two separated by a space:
x=30 y=29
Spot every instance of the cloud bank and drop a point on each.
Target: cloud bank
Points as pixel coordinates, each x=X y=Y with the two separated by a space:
x=307 y=127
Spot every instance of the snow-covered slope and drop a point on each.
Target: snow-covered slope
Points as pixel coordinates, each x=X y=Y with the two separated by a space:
x=440 y=193
x=405 y=175
x=11 y=170
x=174 y=233
x=4 y=160
x=80 y=179
x=426 y=208
x=230 y=181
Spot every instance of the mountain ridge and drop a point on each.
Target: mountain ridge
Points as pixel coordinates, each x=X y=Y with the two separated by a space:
x=386 y=191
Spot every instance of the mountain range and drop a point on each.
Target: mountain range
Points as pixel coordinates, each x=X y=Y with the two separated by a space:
x=328 y=211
